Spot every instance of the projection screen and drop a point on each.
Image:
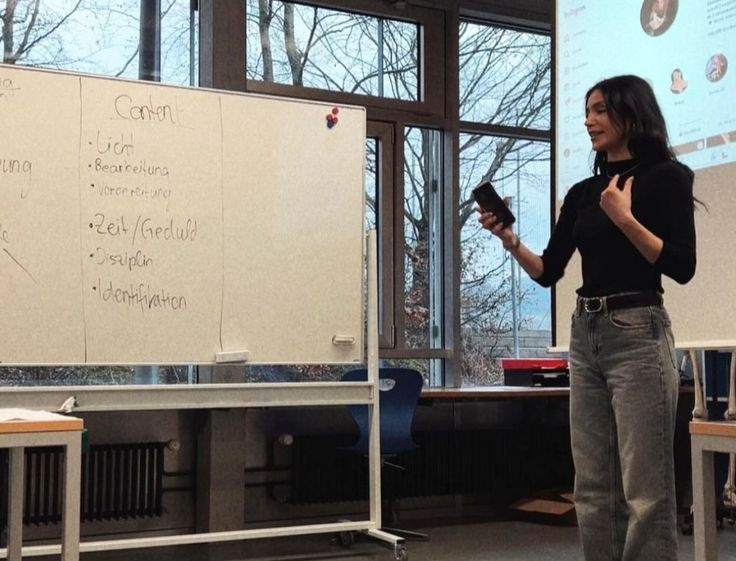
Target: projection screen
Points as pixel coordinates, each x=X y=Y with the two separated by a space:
x=686 y=51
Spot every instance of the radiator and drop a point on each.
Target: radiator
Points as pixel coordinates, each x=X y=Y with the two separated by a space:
x=123 y=481
x=118 y=481
x=503 y=463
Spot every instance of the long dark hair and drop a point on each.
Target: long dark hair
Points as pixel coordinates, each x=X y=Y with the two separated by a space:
x=633 y=108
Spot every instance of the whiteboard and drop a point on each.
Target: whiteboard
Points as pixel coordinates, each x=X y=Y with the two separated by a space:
x=703 y=311
x=150 y=224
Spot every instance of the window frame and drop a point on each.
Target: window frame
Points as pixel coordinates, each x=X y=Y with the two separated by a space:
x=430 y=67
x=383 y=133
x=520 y=133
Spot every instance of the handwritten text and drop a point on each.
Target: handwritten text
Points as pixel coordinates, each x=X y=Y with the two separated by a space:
x=138 y=192
x=147 y=111
x=7 y=89
x=130 y=261
x=141 y=168
x=141 y=295
x=145 y=228
x=120 y=146
x=16 y=167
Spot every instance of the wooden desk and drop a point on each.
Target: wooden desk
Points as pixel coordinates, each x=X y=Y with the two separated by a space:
x=491 y=392
x=481 y=393
x=707 y=438
x=53 y=430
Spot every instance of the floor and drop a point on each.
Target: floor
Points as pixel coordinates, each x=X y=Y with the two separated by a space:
x=502 y=541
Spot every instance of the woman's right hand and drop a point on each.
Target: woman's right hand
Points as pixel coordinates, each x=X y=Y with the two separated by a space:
x=490 y=222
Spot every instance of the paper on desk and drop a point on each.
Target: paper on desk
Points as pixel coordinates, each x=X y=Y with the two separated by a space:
x=16 y=414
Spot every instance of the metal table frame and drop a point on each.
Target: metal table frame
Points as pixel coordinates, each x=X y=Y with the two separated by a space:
x=18 y=435
x=706 y=439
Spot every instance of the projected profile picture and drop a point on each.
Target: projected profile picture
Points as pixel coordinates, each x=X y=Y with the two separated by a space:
x=679 y=84
x=716 y=67
x=657 y=16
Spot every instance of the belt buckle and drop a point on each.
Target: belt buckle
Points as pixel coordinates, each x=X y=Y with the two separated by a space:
x=593 y=305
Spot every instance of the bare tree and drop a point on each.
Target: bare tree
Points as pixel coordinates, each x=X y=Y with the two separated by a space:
x=26 y=27
x=91 y=36
x=505 y=78
x=328 y=49
x=265 y=15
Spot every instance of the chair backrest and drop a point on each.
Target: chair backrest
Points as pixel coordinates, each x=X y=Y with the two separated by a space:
x=398 y=395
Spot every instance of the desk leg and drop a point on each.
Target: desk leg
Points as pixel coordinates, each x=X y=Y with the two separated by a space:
x=15 y=504
x=704 y=503
x=72 y=480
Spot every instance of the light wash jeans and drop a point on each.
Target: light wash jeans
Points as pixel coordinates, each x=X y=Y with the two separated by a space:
x=623 y=399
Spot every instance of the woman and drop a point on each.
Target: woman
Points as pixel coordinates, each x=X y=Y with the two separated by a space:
x=657 y=16
x=716 y=67
x=679 y=84
x=632 y=222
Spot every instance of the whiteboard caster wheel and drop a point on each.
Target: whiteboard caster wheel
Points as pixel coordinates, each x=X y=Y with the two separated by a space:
x=347 y=539
x=400 y=552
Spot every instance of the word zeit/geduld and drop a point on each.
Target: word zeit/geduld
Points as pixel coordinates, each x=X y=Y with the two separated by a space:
x=145 y=228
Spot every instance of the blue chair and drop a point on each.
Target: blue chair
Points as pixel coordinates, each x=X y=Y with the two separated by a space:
x=398 y=396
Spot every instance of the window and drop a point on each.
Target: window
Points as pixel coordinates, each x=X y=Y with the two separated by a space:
x=422 y=239
x=398 y=60
x=502 y=310
x=505 y=111
x=300 y=45
x=95 y=375
x=372 y=164
x=504 y=76
x=100 y=38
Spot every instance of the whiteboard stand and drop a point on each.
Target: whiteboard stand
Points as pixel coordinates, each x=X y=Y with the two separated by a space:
x=374 y=448
x=91 y=398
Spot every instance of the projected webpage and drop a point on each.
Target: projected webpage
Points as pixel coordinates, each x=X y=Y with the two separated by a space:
x=684 y=49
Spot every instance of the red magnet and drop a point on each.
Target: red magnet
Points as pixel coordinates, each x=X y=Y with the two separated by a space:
x=331 y=120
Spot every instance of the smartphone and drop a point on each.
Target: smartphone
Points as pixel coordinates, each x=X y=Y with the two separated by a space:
x=490 y=201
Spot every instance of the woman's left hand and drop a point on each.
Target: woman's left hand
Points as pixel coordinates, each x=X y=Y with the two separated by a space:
x=615 y=202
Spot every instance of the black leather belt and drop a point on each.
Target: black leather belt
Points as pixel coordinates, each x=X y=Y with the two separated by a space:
x=618 y=301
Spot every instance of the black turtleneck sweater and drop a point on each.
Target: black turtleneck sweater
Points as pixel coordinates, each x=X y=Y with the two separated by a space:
x=662 y=201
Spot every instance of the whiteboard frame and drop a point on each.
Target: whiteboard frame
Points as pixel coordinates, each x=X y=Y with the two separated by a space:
x=354 y=361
